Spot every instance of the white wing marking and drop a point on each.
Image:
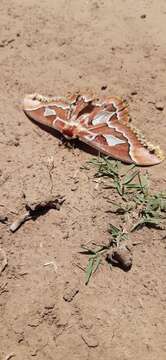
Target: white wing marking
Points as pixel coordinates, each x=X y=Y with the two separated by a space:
x=102 y=118
x=112 y=140
x=49 y=112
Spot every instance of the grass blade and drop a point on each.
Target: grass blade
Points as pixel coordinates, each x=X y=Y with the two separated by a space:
x=143 y=180
x=96 y=264
x=130 y=177
x=89 y=269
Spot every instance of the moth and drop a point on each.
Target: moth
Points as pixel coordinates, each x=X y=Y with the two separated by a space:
x=103 y=123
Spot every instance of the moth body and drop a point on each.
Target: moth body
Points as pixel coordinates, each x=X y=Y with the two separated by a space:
x=103 y=123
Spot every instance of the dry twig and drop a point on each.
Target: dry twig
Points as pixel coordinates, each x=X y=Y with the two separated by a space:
x=37 y=209
x=4 y=261
x=9 y=356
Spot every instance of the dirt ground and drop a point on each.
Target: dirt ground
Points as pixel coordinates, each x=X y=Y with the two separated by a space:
x=53 y=47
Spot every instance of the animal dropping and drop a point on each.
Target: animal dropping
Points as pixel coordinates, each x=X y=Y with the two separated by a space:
x=101 y=123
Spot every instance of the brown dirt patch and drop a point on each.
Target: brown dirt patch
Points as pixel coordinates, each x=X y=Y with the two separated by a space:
x=47 y=312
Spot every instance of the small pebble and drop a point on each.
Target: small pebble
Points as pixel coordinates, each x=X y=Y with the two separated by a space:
x=70 y=292
x=159 y=106
x=134 y=92
x=3 y=218
x=121 y=258
x=90 y=340
x=74 y=188
x=16 y=143
x=143 y=16
x=49 y=306
x=104 y=87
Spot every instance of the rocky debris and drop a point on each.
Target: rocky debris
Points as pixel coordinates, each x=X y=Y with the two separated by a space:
x=159 y=106
x=120 y=257
x=38 y=208
x=70 y=291
x=90 y=340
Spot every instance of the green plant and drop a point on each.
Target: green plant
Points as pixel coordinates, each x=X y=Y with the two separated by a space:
x=135 y=199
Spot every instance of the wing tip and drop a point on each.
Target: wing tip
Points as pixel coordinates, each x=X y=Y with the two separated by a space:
x=149 y=154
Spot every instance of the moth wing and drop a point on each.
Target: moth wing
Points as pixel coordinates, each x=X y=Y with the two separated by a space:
x=120 y=142
x=88 y=105
x=107 y=141
x=101 y=123
x=54 y=113
x=117 y=105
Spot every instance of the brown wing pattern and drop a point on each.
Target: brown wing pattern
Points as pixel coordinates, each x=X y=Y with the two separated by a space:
x=102 y=123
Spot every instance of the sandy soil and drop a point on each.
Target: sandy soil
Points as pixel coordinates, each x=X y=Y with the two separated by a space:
x=53 y=47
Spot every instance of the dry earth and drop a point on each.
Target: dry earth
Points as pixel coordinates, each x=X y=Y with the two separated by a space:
x=53 y=47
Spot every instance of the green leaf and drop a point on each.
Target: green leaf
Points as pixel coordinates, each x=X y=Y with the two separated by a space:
x=87 y=250
x=89 y=270
x=138 y=224
x=114 y=230
x=146 y=221
x=152 y=221
x=128 y=178
x=133 y=186
x=118 y=186
x=97 y=263
x=144 y=183
x=139 y=198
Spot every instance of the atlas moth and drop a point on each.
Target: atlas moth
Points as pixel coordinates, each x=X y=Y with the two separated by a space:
x=103 y=123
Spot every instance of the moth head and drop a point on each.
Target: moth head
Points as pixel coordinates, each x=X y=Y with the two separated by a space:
x=31 y=102
x=35 y=107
